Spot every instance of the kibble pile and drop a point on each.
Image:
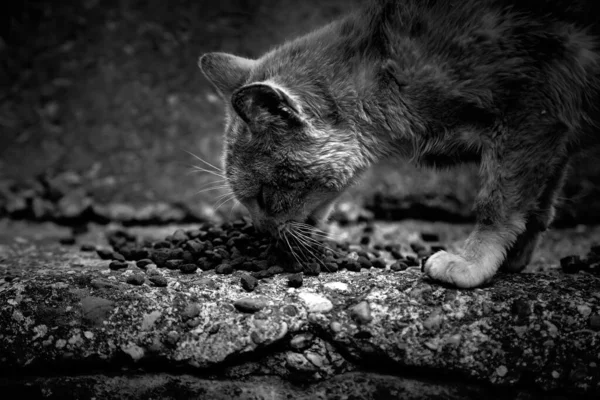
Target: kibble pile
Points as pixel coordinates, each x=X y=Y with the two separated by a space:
x=238 y=246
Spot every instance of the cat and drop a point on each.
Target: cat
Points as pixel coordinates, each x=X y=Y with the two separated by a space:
x=509 y=84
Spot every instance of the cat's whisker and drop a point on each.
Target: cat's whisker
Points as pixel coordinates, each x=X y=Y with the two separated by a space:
x=315 y=232
x=204 y=161
x=306 y=245
x=290 y=247
x=235 y=204
x=214 y=188
x=200 y=169
x=314 y=229
x=223 y=202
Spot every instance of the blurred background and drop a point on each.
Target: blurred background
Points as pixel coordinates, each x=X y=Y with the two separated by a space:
x=100 y=100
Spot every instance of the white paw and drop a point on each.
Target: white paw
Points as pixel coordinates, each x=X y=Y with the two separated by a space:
x=454 y=270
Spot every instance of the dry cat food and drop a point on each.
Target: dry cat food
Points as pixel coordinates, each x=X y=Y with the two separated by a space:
x=237 y=246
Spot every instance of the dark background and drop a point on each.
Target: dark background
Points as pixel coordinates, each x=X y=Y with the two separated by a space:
x=99 y=100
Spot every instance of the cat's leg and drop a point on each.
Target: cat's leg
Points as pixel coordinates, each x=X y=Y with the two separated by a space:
x=516 y=168
x=538 y=221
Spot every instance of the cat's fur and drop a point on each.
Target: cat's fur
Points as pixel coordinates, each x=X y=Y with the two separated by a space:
x=511 y=84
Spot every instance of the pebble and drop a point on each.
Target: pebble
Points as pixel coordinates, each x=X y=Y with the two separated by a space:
x=434 y=321
x=136 y=279
x=158 y=280
x=188 y=268
x=501 y=370
x=295 y=280
x=290 y=310
x=250 y=304
x=361 y=313
x=100 y=283
x=248 y=282
x=301 y=341
x=117 y=265
x=340 y=286
x=191 y=311
x=316 y=303
x=335 y=326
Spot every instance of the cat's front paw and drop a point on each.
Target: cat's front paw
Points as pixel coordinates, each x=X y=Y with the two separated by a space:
x=454 y=270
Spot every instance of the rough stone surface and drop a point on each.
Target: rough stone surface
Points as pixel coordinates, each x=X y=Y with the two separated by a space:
x=64 y=311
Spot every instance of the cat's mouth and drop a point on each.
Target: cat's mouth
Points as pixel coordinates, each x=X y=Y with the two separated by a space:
x=307 y=217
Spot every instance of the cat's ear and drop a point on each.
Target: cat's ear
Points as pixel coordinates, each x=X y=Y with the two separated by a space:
x=226 y=71
x=262 y=105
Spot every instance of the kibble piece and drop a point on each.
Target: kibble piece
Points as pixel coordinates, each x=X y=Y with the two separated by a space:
x=173 y=264
x=417 y=247
x=411 y=261
x=275 y=270
x=248 y=282
x=118 y=256
x=396 y=254
x=378 y=263
x=143 y=263
x=188 y=268
x=398 y=266
x=136 y=279
x=364 y=262
x=365 y=240
x=163 y=244
x=312 y=269
x=430 y=237
x=179 y=236
x=160 y=257
x=595 y=322
x=331 y=267
x=571 y=264
x=353 y=266
x=87 y=247
x=68 y=240
x=117 y=265
x=158 y=280
x=295 y=280
x=104 y=254
x=224 y=269
x=204 y=264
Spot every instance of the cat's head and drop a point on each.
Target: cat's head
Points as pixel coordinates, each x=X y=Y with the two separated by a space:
x=288 y=152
